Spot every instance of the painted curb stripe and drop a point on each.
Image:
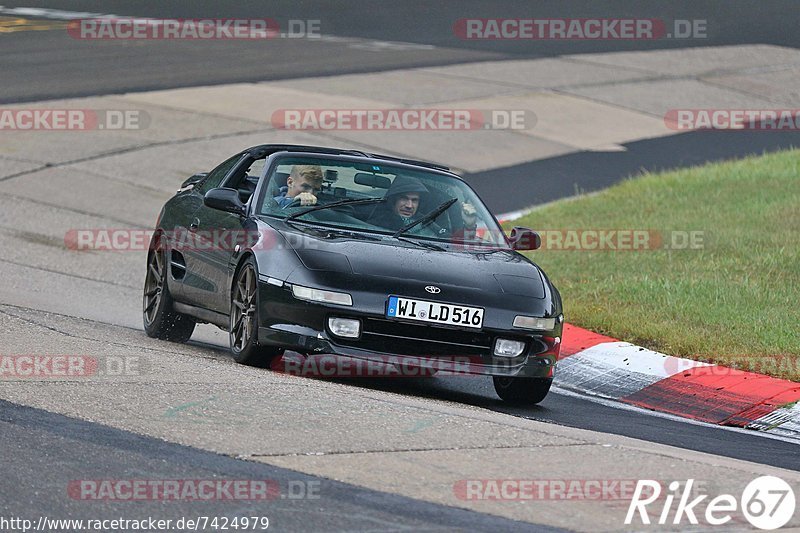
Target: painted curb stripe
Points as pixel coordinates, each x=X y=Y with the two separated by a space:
x=717 y=395
x=784 y=421
x=602 y=366
x=616 y=369
x=575 y=339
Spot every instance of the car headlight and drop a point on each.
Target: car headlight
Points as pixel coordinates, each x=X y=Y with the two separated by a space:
x=320 y=295
x=534 y=322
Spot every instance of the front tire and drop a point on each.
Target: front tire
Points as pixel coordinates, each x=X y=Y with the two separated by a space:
x=160 y=320
x=522 y=390
x=243 y=330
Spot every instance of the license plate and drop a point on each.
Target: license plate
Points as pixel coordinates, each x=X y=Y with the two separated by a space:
x=435 y=312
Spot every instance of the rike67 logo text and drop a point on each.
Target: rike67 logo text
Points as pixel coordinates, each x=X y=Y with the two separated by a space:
x=767 y=502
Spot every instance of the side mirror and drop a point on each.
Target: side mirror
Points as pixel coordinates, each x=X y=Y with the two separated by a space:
x=524 y=239
x=194 y=180
x=225 y=200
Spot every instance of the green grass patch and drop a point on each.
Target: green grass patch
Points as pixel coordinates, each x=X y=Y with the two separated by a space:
x=736 y=301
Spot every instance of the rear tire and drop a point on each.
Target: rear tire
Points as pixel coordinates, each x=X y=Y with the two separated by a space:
x=243 y=329
x=160 y=320
x=522 y=390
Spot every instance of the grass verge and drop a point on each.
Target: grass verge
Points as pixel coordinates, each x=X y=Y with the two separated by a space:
x=733 y=301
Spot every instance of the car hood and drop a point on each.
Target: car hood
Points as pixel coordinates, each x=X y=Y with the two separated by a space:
x=501 y=271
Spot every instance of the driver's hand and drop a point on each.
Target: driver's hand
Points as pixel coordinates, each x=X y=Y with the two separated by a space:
x=470 y=216
x=306 y=198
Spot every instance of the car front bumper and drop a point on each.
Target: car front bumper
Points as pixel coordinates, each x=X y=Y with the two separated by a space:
x=302 y=326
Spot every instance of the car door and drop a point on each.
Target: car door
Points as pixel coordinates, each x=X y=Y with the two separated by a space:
x=216 y=235
x=198 y=282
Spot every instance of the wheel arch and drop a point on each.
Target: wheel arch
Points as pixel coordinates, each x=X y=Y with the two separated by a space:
x=239 y=264
x=172 y=283
x=158 y=233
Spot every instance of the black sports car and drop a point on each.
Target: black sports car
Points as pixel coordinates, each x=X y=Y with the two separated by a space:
x=325 y=251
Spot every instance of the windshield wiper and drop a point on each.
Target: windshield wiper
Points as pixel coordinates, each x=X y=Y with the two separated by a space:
x=353 y=234
x=423 y=244
x=427 y=218
x=488 y=251
x=348 y=201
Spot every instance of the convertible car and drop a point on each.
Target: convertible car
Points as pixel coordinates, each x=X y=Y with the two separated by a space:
x=326 y=251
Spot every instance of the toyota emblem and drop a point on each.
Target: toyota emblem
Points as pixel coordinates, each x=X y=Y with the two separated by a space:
x=433 y=290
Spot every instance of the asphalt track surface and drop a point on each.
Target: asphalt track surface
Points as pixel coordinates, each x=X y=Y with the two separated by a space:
x=45 y=65
x=41 y=65
x=36 y=438
x=583 y=172
x=568 y=410
x=32 y=61
x=45 y=451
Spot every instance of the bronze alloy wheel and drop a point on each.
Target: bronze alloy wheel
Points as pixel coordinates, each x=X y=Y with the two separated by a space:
x=244 y=320
x=243 y=309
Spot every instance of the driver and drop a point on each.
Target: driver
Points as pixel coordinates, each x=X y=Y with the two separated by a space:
x=302 y=183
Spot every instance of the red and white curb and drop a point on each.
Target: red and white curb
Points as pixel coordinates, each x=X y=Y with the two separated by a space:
x=601 y=366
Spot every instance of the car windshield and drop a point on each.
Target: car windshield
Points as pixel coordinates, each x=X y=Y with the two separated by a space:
x=378 y=198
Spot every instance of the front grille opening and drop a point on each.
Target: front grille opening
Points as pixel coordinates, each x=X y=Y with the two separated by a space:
x=413 y=339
